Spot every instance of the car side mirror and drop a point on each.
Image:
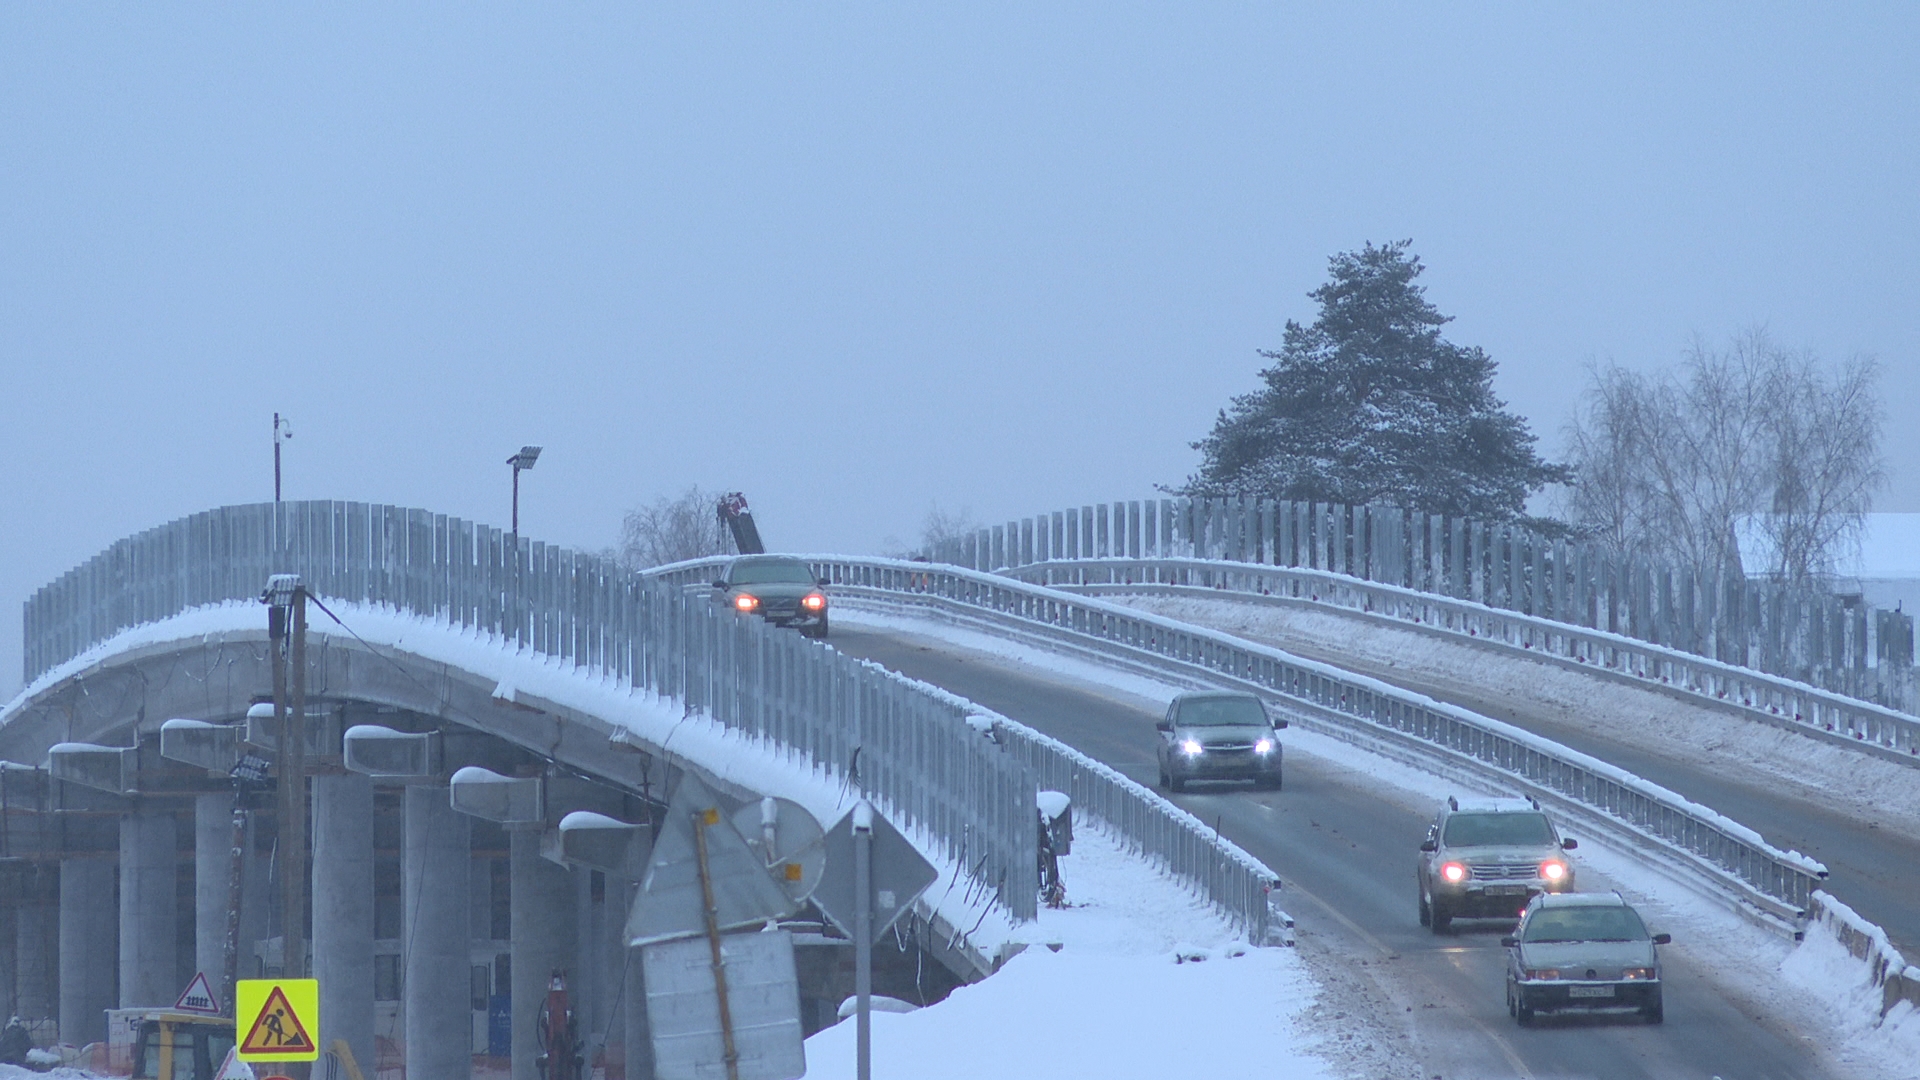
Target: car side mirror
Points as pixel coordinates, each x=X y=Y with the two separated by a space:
x=1428 y=845
x=1509 y=941
x=1164 y=725
x=1569 y=843
x=719 y=584
x=1663 y=939
x=1279 y=722
x=819 y=583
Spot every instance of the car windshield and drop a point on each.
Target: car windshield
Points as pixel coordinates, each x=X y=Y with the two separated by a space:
x=1585 y=924
x=1485 y=830
x=780 y=572
x=1222 y=712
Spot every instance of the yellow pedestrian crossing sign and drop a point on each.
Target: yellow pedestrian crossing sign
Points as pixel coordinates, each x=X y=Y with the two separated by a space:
x=276 y=1019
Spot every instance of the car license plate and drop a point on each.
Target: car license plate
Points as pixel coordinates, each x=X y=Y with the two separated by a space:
x=1508 y=890
x=1590 y=991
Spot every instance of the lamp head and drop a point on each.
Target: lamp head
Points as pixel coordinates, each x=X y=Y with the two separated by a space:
x=525 y=458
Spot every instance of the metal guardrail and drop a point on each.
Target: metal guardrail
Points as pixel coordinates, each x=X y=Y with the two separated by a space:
x=1236 y=883
x=1769 y=698
x=1777 y=882
x=1837 y=644
x=912 y=750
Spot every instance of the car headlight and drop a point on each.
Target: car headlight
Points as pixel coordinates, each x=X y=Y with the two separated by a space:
x=1264 y=746
x=1190 y=747
x=746 y=602
x=1637 y=973
x=814 y=602
x=1553 y=870
x=1454 y=872
x=1543 y=973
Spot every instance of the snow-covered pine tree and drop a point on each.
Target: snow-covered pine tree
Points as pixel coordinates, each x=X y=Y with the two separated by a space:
x=1370 y=404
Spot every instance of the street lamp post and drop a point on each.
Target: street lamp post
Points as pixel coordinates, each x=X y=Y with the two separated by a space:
x=282 y=431
x=521 y=462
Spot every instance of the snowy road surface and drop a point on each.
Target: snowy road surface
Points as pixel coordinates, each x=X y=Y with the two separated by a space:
x=1416 y=1005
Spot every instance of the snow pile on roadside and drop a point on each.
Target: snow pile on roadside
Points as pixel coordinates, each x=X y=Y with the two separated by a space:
x=1148 y=981
x=1860 y=785
x=1845 y=984
x=63 y=1072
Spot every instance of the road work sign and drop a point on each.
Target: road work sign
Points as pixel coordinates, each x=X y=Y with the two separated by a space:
x=275 y=1019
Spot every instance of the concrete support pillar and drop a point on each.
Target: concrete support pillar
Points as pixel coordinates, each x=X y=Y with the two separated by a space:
x=149 y=926
x=633 y=996
x=212 y=887
x=436 y=853
x=343 y=911
x=590 y=957
x=87 y=937
x=541 y=899
x=12 y=897
x=36 y=944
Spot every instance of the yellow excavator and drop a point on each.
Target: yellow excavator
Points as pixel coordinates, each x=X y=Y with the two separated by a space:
x=162 y=1044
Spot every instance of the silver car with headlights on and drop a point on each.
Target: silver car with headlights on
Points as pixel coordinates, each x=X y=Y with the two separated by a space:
x=1486 y=858
x=1583 y=951
x=1218 y=735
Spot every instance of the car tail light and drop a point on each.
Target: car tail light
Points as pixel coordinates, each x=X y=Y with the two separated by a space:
x=1454 y=872
x=1553 y=870
x=814 y=602
x=746 y=602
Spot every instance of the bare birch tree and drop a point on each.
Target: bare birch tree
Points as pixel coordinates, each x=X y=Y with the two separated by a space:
x=1669 y=465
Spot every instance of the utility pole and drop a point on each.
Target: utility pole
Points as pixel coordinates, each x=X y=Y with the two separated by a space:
x=286 y=598
x=282 y=431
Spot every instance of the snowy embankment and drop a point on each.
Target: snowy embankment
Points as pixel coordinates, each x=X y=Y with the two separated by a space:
x=1817 y=986
x=1148 y=981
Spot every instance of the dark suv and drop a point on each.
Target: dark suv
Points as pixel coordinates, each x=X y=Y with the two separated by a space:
x=1486 y=858
x=779 y=588
x=1218 y=735
x=1585 y=951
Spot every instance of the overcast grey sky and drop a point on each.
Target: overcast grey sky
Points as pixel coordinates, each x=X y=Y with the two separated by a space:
x=860 y=259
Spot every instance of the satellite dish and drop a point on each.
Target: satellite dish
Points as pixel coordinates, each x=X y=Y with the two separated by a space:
x=788 y=840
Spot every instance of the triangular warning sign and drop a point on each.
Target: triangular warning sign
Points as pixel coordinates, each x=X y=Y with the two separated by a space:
x=277 y=1030
x=198 y=997
x=234 y=1069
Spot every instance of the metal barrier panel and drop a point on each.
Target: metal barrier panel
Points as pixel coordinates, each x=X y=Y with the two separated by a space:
x=853 y=720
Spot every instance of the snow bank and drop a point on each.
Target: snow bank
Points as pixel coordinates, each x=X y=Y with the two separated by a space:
x=1848 y=962
x=1112 y=988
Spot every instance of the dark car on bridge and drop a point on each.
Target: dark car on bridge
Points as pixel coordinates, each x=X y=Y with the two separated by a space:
x=778 y=588
x=1486 y=858
x=1583 y=951
x=1218 y=735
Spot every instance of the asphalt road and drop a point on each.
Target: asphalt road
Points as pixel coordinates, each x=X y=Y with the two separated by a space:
x=1346 y=855
x=1873 y=870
